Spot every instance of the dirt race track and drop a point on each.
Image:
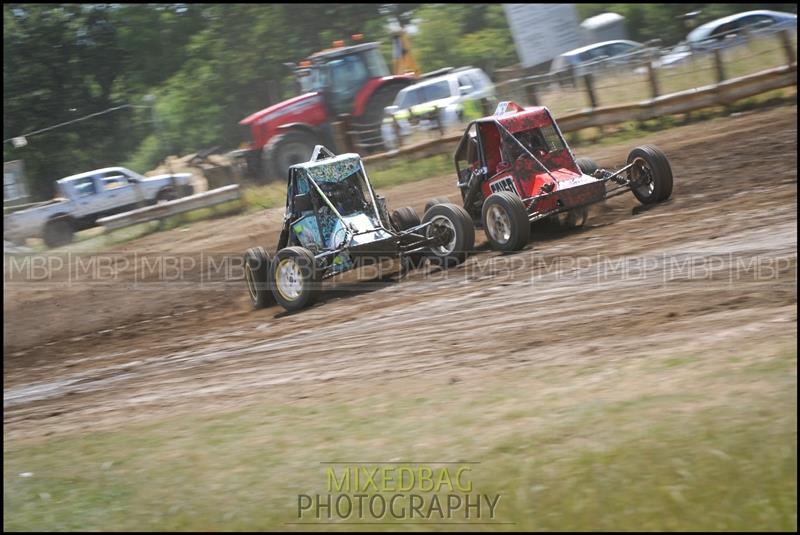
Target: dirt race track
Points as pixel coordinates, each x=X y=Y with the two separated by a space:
x=714 y=269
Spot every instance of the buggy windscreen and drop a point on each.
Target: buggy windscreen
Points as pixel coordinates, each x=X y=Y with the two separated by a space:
x=344 y=184
x=342 y=181
x=348 y=195
x=543 y=145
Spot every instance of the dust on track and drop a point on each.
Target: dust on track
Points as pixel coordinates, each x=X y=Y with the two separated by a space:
x=90 y=355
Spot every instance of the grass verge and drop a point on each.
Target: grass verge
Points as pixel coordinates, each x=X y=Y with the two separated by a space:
x=707 y=443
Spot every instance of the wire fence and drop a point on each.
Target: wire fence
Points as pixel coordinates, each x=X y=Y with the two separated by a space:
x=602 y=86
x=649 y=73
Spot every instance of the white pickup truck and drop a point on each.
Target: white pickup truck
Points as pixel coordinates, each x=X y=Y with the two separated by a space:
x=86 y=197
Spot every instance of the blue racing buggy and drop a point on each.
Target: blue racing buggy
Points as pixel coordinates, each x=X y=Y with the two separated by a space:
x=335 y=221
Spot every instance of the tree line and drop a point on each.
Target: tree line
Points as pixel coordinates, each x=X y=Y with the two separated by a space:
x=206 y=66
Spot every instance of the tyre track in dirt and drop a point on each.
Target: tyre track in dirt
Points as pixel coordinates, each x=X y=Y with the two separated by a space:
x=735 y=200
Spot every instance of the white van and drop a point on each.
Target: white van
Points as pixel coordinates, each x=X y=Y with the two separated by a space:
x=444 y=96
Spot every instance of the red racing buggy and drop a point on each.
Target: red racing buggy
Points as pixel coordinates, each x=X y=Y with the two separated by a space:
x=515 y=168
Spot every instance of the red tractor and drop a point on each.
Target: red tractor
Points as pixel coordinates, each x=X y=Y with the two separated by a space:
x=351 y=80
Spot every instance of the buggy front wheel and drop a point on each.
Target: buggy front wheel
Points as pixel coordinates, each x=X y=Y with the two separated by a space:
x=587 y=165
x=295 y=280
x=505 y=221
x=651 y=175
x=451 y=228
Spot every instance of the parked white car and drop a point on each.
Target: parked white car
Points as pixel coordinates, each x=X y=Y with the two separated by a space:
x=447 y=96
x=570 y=66
x=86 y=197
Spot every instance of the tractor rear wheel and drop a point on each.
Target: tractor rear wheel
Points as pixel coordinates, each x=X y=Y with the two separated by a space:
x=368 y=124
x=285 y=150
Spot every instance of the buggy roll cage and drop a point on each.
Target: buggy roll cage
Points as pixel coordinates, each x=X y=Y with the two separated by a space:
x=322 y=153
x=470 y=186
x=508 y=134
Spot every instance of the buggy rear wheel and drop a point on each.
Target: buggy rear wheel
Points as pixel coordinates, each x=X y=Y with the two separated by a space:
x=296 y=282
x=574 y=218
x=453 y=227
x=405 y=218
x=256 y=276
x=586 y=165
x=505 y=221
x=651 y=175
x=435 y=201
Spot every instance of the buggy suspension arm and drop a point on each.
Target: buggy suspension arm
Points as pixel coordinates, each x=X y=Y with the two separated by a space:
x=613 y=176
x=623 y=185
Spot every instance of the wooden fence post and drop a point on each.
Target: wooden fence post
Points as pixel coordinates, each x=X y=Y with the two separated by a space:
x=651 y=73
x=530 y=90
x=787 y=46
x=437 y=117
x=397 y=133
x=719 y=66
x=590 y=90
x=340 y=135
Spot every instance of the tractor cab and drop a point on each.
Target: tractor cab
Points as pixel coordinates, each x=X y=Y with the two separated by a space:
x=345 y=80
x=341 y=73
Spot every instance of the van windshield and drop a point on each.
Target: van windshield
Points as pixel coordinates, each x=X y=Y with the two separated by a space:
x=437 y=91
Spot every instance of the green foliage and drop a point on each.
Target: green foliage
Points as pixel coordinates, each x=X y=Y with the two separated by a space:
x=410 y=170
x=146 y=157
x=65 y=61
x=453 y=35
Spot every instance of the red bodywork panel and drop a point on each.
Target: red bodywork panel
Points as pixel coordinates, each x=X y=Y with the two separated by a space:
x=524 y=177
x=308 y=109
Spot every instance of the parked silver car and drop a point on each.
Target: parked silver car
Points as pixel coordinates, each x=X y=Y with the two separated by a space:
x=571 y=65
x=729 y=31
